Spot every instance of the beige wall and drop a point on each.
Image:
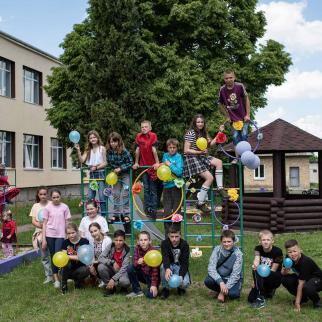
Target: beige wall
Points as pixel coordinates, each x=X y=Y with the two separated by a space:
x=25 y=118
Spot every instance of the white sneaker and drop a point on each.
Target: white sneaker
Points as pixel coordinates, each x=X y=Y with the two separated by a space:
x=133 y=294
x=48 y=279
x=101 y=284
x=56 y=284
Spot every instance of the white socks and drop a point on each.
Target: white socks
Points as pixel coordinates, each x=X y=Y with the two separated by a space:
x=202 y=194
x=219 y=178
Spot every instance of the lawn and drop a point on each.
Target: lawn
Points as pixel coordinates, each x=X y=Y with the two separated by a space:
x=25 y=298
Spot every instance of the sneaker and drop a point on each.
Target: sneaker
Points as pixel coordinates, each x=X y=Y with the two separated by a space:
x=64 y=287
x=108 y=293
x=48 y=279
x=57 y=284
x=101 y=284
x=164 y=293
x=317 y=305
x=259 y=303
x=223 y=193
x=181 y=291
x=133 y=294
x=203 y=207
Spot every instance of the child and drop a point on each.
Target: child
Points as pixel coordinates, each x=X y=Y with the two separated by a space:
x=175 y=255
x=172 y=194
x=75 y=269
x=8 y=234
x=146 y=153
x=141 y=272
x=95 y=158
x=197 y=162
x=113 y=264
x=120 y=160
x=36 y=213
x=265 y=253
x=234 y=103
x=56 y=216
x=92 y=216
x=225 y=268
x=306 y=280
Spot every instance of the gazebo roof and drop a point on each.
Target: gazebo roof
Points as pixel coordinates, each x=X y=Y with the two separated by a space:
x=280 y=135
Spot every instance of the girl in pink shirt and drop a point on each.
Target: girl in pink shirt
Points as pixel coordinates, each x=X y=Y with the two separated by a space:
x=56 y=215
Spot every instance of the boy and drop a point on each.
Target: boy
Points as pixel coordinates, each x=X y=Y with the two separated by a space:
x=306 y=281
x=141 y=272
x=265 y=253
x=172 y=194
x=113 y=263
x=225 y=268
x=146 y=154
x=235 y=105
x=175 y=255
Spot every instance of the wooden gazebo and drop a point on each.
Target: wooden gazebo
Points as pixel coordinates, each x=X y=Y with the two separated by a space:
x=280 y=211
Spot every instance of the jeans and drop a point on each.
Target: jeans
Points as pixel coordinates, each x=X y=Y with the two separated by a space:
x=45 y=259
x=241 y=135
x=121 y=195
x=136 y=275
x=106 y=272
x=150 y=193
x=101 y=186
x=175 y=270
x=233 y=293
x=77 y=274
x=54 y=245
x=171 y=201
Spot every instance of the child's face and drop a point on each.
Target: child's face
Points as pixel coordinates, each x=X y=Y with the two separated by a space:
x=5 y=216
x=95 y=232
x=172 y=149
x=71 y=234
x=227 y=243
x=174 y=238
x=42 y=195
x=294 y=253
x=91 y=211
x=267 y=241
x=114 y=144
x=93 y=139
x=119 y=242
x=200 y=123
x=145 y=128
x=229 y=79
x=55 y=197
x=144 y=241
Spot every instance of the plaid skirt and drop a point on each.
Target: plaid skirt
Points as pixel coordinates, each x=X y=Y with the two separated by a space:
x=195 y=164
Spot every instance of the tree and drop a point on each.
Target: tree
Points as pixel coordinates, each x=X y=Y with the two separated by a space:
x=161 y=60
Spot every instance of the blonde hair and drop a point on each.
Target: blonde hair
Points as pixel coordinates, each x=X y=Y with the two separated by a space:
x=89 y=145
x=265 y=232
x=146 y=122
x=72 y=226
x=143 y=232
x=173 y=141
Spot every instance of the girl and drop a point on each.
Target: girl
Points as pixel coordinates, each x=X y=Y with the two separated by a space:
x=36 y=214
x=8 y=235
x=56 y=216
x=120 y=160
x=197 y=162
x=95 y=159
x=92 y=216
x=75 y=269
x=100 y=243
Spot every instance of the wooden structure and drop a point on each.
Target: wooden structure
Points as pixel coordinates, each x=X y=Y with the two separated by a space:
x=280 y=211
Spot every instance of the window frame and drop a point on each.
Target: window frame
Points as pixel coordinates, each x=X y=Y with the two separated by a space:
x=12 y=148
x=258 y=176
x=11 y=80
x=40 y=152
x=55 y=149
x=34 y=101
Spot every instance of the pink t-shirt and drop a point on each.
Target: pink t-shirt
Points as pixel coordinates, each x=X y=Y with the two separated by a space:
x=56 y=216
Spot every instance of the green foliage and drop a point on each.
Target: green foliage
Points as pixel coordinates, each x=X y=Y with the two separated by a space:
x=161 y=60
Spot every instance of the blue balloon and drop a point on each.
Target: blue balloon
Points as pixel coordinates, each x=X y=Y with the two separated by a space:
x=263 y=270
x=40 y=215
x=247 y=158
x=255 y=164
x=242 y=147
x=85 y=254
x=74 y=136
x=174 y=281
x=287 y=262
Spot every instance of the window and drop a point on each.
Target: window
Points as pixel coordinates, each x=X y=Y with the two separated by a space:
x=32 y=151
x=7 y=148
x=259 y=173
x=294 y=176
x=32 y=82
x=7 y=77
x=58 y=155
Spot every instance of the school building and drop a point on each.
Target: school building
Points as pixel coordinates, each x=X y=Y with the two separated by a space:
x=28 y=144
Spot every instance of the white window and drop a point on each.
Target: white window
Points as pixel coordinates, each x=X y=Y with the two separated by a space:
x=32 y=147
x=57 y=154
x=294 y=176
x=259 y=173
x=5 y=77
x=32 y=84
x=6 y=148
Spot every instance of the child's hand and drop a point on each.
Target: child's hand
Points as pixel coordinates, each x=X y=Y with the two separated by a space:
x=135 y=166
x=44 y=244
x=9 y=236
x=247 y=118
x=117 y=170
x=167 y=162
x=77 y=147
x=168 y=274
x=285 y=271
x=297 y=307
x=204 y=151
x=92 y=270
x=111 y=284
x=141 y=261
x=154 y=291
x=213 y=142
x=254 y=267
x=116 y=267
x=223 y=288
x=156 y=166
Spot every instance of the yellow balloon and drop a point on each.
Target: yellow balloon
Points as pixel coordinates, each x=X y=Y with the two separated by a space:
x=164 y=173
x=111 y=178
x=202 y=144
x=60 y=259
x=153 y=258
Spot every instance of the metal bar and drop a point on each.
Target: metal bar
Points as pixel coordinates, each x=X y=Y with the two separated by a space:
x=131 y=213
x=196 y=235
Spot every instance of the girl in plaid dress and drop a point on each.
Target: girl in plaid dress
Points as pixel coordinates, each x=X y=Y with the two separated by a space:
x=197 y=162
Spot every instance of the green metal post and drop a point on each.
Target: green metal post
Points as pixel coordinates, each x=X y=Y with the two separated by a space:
x=185 y=226
x=82 y=190
x=131 y=212
x=212 y=213
x=241 y=203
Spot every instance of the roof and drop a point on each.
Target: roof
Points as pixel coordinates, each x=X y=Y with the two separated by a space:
x=280 y=135
x=28 y=46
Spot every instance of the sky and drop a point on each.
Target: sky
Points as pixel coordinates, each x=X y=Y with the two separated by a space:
x=297 y=24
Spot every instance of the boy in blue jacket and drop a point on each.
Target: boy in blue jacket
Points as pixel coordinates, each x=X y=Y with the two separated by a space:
x=225 y=268
x=171 y=193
